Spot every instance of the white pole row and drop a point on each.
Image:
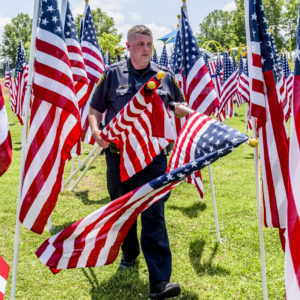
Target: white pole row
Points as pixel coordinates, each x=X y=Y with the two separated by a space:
x=96 y=153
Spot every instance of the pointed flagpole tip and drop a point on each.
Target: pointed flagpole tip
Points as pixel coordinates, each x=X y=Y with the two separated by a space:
x=81 y=16
x=160 y=75
x=178 y=16
x=86 y=1
x=253 y=143
x=183 y=1
x=151 y=85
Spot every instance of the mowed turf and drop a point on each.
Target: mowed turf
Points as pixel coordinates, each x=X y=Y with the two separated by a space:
x=204 y=268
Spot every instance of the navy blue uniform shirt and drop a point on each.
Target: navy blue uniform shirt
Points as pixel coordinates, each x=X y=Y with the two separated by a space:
x=120 y=82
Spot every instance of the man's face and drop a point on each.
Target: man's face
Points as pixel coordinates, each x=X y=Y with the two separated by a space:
x=140 y=48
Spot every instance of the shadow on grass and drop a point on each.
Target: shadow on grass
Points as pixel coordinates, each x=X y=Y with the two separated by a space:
x=57 y=228
x=202 y=266
x=17 y=149
x=18 y=143
x=90 y=168
x=249 y=155
x=124 y=284
x=191 y=211
x=84 y=197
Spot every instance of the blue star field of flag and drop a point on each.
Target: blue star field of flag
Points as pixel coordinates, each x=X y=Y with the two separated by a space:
x=241 y=65
x=89 y=33
x=227 y=67
x=50 y=18
x=177 y=54
x=70 y=28
x=234 y=65
x=218 y=67
x=216 y=141
x=154 y=57
x=206 y=62
x=246 y=71
x=259 y=33
x=285 y=67
x=21 y=59
x=7 y=68
x=189 y=48
x=164 y=57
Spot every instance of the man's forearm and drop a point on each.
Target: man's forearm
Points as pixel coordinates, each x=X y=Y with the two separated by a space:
x=94 y=118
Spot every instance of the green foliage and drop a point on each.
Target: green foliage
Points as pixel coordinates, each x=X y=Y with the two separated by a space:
x=228 y=28
x=204 y=268
x=110 y=42
x=20 y=27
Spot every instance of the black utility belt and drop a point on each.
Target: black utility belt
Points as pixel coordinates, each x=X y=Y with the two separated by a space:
x=113 y=149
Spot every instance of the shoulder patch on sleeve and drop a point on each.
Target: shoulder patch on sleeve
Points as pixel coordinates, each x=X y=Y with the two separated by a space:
x=100 y=79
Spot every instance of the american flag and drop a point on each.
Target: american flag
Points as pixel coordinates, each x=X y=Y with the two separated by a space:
x=212 y=67
x=94 y=64
x=76 y=59
x=218 y=78
x=5 y=139
x=197 y=83
x=9 y=83
x=243 y=85
x=206 y=62
x=164 y=57
x=289 y=80
x=55 y=121
x=292 y=250
x=267 y=109
x=20 y=83
x=107 y=59
x=4 y=271
x=96 y=239
x=140 y=130
x=229 y=84
x=154 y=57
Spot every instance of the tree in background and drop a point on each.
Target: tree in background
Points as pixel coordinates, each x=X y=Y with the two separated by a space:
x=107 y=34
x=216 y=26
x=20 y=27
x=290 y=20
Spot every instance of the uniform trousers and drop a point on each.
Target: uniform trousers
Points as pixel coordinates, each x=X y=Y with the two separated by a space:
x=154 y=237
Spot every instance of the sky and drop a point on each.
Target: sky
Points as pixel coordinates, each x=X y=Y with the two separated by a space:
x=159 y=15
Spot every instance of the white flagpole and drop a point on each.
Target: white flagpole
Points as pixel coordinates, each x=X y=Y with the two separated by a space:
x=257 y=176
x=246 y=111
x=96 y=153
x=23 y=152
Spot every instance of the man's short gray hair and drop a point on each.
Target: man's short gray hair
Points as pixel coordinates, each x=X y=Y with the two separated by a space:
x=141 y=29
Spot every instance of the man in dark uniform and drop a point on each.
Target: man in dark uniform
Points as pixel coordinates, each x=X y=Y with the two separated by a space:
x=119 y=83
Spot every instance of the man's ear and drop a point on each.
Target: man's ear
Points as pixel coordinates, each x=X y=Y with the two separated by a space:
x=128 y=46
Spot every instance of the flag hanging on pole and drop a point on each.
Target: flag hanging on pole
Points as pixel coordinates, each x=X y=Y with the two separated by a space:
x=94 y=64
x=4 y=271
x=9 y=83
x=154 y=57
x=76 y=59
x=55 y=121
x=5 y=140
x=266 y=108
x=164 y=57
x=20 y=81
x=198 y=87
x=96 y=239
x=292 y=252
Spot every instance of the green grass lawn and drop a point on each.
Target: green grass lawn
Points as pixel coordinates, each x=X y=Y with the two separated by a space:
x=204 y=268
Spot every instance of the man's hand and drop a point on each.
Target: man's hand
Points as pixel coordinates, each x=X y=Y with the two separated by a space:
x=101 y=142
x=180 y=112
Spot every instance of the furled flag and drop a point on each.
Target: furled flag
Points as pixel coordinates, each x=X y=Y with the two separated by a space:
x=265 y=106
x=243 y=85
x=5 y=140
x=229 y=84
x=141 y=130
x=20 y=82
x=77 y=64
x=206 y=62
x=94 y=64
x=55 y=121
x=288 y=76
x=9 y=83
x=4 y=271
x=96 y=239
x=164 y=57
x=107 y=59
x=154 y=57
x=198 y=87
x=292 y=250
x=217 y=79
